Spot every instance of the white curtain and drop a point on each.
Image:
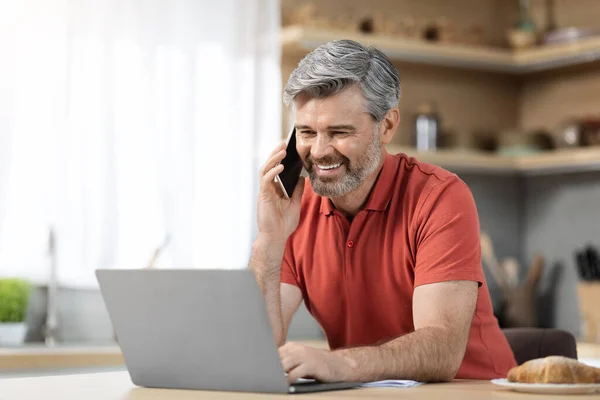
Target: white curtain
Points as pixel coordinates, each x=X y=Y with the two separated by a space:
x=123 y=122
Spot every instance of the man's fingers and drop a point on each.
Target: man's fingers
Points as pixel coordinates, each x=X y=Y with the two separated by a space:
x=300 y=371
x=272 y=161
x=286 y=349
x=267 y=179
x=296 y=361
x=289 y=363
x=290 y=358
x=276 y=156
x=283 y=350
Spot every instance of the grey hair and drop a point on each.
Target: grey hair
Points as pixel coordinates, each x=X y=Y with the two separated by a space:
x=337 y=65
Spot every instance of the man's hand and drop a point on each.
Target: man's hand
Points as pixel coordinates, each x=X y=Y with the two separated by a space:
x=278 y=216
x=301 y=361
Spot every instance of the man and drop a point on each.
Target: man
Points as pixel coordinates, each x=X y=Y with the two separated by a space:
x=383 y=249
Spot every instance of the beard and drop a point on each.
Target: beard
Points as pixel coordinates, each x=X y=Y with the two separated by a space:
x=352 y=175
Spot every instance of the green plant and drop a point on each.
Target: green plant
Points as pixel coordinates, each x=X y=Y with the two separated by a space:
x=14 y=299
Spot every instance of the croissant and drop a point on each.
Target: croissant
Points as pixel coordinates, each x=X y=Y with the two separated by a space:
x=554 y=369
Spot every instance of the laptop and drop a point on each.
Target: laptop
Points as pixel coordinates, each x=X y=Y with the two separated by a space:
x=197 y=329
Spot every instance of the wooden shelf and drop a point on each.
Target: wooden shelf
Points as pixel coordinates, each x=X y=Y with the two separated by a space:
x=547 y=163
x=300 y=40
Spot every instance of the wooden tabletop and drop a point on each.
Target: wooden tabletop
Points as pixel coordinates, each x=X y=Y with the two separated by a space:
x=118 y=386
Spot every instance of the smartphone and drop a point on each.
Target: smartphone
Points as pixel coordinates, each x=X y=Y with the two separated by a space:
x=292 y=167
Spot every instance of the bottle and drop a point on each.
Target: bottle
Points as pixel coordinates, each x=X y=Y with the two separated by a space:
x=427 y=128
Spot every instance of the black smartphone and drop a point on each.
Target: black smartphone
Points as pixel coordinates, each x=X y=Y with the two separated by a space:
x=292 y=167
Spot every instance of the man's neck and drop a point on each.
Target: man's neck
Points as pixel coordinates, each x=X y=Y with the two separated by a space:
x=350 y=204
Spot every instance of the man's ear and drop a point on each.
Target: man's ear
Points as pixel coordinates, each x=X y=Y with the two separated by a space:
x=389 y=125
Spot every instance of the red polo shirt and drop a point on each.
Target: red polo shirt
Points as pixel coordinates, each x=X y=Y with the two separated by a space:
x=419 y=226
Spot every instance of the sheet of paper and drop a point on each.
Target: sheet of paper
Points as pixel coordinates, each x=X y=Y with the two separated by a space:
x=392 y=383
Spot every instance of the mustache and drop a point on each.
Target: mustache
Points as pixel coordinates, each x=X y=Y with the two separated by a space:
x=327 y=160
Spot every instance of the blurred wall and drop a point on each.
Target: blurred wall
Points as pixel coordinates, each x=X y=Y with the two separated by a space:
x=551 y=215
x=562 y=215
x=499 y=205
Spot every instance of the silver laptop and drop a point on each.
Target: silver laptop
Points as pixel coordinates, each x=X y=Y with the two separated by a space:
x=197 y=329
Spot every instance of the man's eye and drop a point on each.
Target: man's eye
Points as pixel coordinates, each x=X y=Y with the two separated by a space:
x=307 y=133
x=338 y=133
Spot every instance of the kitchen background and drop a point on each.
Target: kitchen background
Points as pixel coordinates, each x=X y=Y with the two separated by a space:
x=509 y=92
x=540 y=109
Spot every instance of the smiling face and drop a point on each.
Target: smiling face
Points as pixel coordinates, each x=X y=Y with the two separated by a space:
x=338 y=141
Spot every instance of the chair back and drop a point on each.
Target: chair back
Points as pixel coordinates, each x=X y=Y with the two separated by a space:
x=530 y=343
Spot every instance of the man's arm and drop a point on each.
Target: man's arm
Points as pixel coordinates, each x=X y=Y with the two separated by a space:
x=442 y=314
x=278 y=218
x=282 y=299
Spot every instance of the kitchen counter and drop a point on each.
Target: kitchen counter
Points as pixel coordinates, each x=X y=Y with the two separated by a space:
x=41 y=357
x=589 y=353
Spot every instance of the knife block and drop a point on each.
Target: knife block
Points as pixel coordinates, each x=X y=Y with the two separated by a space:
x=589 y=307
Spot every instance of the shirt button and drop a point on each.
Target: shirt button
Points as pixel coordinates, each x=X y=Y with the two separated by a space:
x=350 y=243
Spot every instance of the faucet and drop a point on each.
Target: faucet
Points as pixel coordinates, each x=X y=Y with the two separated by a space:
x=51 y=324
x=159 y=250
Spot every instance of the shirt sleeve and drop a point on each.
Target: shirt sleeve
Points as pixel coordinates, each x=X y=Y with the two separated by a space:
x=447 y=236
x=288 y=270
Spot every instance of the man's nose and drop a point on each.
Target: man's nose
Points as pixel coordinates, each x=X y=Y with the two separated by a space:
x=321 y=147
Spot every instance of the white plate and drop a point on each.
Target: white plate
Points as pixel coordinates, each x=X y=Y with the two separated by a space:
x=549 y=388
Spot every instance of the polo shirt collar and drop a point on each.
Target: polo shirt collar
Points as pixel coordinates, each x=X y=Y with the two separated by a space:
x=382 y=191
x=327 y=207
